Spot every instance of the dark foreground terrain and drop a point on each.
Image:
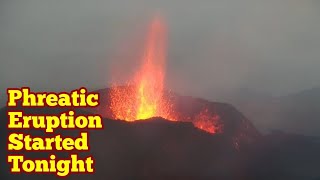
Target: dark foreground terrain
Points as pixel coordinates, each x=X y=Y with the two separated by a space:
x=161 y=149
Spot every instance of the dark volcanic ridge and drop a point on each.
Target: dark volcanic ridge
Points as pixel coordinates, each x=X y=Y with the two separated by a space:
x=234 y=124
x=160 y=149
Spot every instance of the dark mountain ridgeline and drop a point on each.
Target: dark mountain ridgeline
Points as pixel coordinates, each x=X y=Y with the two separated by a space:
x=294 y=113
x=161 y=149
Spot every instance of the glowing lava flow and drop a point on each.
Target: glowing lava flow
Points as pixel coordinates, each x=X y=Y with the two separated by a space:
x=143 y=97
x=208 y=122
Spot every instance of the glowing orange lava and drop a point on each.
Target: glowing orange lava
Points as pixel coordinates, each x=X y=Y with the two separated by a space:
x=150 y=78
x=208 y=122
x=143 y=96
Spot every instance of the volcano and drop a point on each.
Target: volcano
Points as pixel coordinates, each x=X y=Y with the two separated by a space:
x=158 y=148
x=153 y=133
x=213 y=118
x=144 y=96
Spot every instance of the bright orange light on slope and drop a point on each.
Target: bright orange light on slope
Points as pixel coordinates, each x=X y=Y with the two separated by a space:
x=208 y=122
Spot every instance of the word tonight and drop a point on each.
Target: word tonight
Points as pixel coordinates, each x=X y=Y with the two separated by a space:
x=60 y=167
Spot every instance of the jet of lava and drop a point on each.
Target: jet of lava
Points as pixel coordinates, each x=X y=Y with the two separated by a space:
x=144 y=97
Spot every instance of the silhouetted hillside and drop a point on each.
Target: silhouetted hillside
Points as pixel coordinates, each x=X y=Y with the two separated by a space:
x=297 y=113
x=234 y=124
x=161 y=149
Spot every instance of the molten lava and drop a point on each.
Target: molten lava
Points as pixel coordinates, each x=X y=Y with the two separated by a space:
x=143 y=97
x=208 y=122
x=150 y=78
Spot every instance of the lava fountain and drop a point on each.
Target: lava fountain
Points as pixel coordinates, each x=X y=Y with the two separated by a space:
x=144 y=95
x=143 y=98
x=150 y=78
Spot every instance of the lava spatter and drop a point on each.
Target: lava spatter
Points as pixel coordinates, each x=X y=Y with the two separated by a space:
x=143 y=97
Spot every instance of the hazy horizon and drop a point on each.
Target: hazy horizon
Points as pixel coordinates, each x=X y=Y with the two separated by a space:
x=214 y=48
